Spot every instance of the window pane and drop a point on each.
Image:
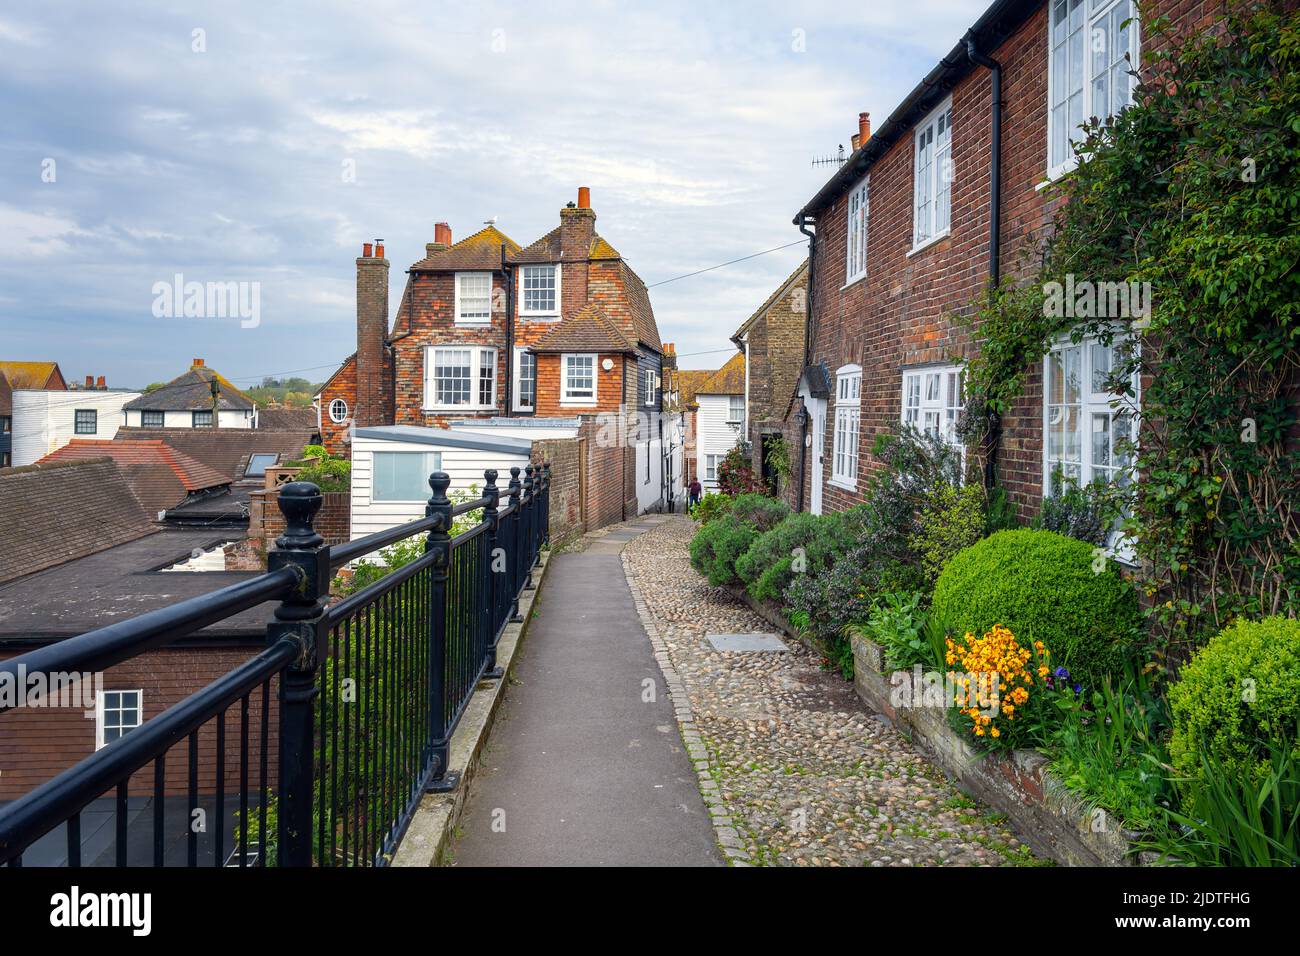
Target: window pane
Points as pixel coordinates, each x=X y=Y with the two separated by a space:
x=451 y=376
x=475 y=290
x=539 y=289
x=404 y=475
x=1101 y=441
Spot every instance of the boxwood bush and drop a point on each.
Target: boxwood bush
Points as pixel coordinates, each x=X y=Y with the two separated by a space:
x=769 y=565
x=1043 y=587
x=718 y=544
x=760 y=511
x=1238 y=698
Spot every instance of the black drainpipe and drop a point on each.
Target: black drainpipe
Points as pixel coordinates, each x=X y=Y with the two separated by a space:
x=807 y=351
x=994 y=435
x=510 y=334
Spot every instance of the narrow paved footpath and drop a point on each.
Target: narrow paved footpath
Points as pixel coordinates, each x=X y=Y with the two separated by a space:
x=580 y=767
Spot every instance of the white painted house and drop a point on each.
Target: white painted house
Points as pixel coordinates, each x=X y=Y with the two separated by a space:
x=198 y=398
x=45 y=421
x=391 y=465
x=719 y=419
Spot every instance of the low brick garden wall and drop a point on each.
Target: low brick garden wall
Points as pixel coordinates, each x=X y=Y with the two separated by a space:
x=1052 y=820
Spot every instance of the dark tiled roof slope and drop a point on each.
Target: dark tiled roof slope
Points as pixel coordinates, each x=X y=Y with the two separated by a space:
x=587 y=330
x=54 y=513
x=293 y=419
x=160 y=476
x=225 y=449
x=192 y=391
x=480 y=251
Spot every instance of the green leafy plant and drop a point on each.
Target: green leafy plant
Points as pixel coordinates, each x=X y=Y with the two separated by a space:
x=711 y=506
x=1232 y=820
x=1238 y=698
x=327 y=472
x=759 y=511
x=1085 y=514
x=736 y=475
x=1000 y=512
x=899 y=625
x=951 y=519
x=1044 y=587
x=717 y=545
x=802 y=543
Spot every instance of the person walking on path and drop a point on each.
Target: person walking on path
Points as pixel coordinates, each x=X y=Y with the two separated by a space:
x=695 y=490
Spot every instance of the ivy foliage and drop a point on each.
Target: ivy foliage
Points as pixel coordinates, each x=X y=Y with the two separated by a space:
x=1195 y=189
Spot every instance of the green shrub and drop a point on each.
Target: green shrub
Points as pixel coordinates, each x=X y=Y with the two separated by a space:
x=759 y=511
x=328 y=474
x=802 y=543
x=1082 y=513
x=1237 y=698
x=717 y=545
x=1044 y=588
x=952 y=519
x=900 y=626
x=710 y=507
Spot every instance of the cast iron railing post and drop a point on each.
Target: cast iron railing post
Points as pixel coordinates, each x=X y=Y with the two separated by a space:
x=300 y=617
x=515 y=488
x=441 y=779
x=530 y=524
x=496 y=571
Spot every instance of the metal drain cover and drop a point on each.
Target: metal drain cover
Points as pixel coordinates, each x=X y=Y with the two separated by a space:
x=746 y=642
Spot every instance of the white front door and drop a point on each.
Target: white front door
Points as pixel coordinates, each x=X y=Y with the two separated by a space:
x=817 y=411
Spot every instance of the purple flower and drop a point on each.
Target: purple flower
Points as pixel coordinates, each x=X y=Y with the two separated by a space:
x=1062 y=673
x=1078 y=688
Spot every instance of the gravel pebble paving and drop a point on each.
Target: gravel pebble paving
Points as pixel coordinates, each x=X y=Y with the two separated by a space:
x=794 y=768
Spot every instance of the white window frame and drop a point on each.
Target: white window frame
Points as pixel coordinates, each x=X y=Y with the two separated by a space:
x=100 y=743
x=737 y=422
x=934 y=179
x=1094 y=12
x=932 y=401
x=475 y=318
x=651 y=387
x=433 y=462
x=847 y=430
x=528 y=313
x=1092 y=404
x=711 y=463
x=567 y=397
x=858 y=226
x=336 y=416
x=516 y=391
x=94 y=421
x=476 y=364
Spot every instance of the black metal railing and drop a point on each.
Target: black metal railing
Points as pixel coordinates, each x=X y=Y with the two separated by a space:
x=329 y=769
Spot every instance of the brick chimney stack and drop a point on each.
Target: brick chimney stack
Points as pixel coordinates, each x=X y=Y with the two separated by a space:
x=670 y=355
x=372 y=333
x=101 y=384
x=441 y=239
x=577 y=229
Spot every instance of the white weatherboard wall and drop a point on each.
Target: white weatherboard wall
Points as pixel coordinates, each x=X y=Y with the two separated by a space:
x=228 y=418
x=465 y=467
x=46 y=421
x=649 y=490
x=713 y=436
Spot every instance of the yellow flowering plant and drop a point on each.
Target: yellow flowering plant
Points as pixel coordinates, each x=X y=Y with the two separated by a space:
x=999 y=685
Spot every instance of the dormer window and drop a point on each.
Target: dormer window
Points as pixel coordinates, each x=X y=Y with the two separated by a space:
x=540 y=292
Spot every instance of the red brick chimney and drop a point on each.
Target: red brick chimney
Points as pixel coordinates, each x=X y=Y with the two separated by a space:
x=197 y=363
x=90 y=382
x=577 y=229
x=372 y=332
x=101 y=384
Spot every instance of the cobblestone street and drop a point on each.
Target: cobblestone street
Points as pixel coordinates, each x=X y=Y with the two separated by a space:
x=795 y=770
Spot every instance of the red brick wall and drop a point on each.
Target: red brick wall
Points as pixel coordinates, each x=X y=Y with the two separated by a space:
x=344 y=386
x=901 y=314
x=563 y=455
x=333 y=521
x=372 y=371
x=38 y=743
x=609 y=386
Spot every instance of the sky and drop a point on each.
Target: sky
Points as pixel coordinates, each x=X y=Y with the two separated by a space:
x=259 y=143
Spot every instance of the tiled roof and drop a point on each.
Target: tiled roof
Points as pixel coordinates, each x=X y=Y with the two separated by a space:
x=547 y=249
x=160 y=476
x=226 y=450
x=28 y=374
x=192 y=391
x=643 y=313
x=480 y=251
x=54 y=513
x=728 y=380
x=687 y=381
x=793 y=278
x=587 y=330
x=294 y=419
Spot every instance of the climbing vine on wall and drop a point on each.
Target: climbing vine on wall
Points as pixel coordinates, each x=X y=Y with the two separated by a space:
x=1195 y=190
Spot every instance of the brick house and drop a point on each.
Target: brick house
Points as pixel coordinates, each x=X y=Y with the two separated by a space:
x=945 y=196
x=772 y=341
x=557 y=337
